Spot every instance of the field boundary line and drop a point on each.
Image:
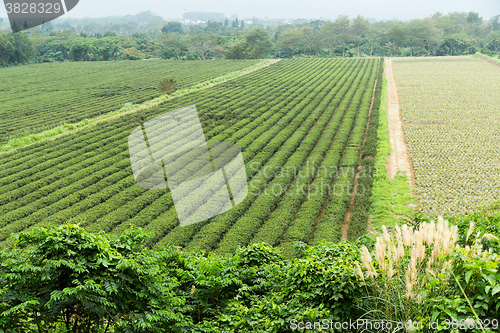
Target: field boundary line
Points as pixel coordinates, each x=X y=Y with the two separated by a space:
x=487 y=60
x=65 y=129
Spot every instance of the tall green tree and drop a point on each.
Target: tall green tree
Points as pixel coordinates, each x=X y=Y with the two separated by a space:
x=204 y=44
x=235 y=23
x=309 y=39
x=23 y=49
x=374 y=35
x=360 y=29
x=397 y=35
x=341 y=25
x=495 y=22
x=172 y=27
x=290 y=40
x=258 y=41
x=6 y=49
x=240 y=50
x=327 y=35
x=173 y=45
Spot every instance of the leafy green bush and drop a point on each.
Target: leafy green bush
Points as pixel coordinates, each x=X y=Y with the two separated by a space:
x=67 y=278
x=485 y=222
x=168 y=86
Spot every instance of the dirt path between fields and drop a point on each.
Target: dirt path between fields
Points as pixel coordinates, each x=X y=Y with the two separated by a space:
x=399 y=159
x=488 y=61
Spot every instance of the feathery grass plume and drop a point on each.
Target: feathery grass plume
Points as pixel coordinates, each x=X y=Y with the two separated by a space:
x=408 y=284
x=407 y=267
x=380 y=253
x=386 y=235
x=489 y=237
x=359 y=271
x=401 y=251
x=390 y=270
x=431 y=233
x=399 y=237
x=366 y=259
x=469 y=232
x=394 y=253
x=407 y=235
x=440 y=227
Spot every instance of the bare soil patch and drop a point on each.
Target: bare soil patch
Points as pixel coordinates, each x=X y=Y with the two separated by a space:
x=399 y=159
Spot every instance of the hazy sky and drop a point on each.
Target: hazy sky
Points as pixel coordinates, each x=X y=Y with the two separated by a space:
x=379 y=9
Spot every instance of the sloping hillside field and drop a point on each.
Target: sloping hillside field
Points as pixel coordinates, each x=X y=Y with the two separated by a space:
x=451 y=118
x=39 y=97
x=303 y=127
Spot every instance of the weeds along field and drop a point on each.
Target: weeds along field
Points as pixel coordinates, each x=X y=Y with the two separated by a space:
x=311 y=116
x=41 y=96
x=457 y=164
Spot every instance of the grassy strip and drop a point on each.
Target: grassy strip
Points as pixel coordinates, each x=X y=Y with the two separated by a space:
x=15 y=143
x=486 y=57
x=391 y=199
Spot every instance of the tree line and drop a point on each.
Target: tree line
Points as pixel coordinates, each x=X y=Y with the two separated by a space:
x=438 y=35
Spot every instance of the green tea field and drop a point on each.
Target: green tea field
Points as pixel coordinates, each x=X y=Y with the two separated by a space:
x=304 y=127
x=40 y=96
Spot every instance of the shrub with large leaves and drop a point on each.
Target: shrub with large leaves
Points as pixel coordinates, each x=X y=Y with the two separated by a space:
x=67 y=278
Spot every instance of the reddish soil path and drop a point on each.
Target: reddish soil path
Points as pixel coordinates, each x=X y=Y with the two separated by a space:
x=399 y=159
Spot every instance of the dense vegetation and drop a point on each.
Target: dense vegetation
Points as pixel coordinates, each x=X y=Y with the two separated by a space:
x=457 y=162
x=42 y=96
x=146 y=36
x=432 y=277
x=302 y=140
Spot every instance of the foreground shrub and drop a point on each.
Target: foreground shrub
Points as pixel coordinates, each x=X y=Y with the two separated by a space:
x=66 y=279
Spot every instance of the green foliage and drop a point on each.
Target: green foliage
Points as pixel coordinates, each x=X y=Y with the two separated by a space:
x=15 y=48
x=168 y=86
x=171 y=27
x=321 y=284
x=255 y=44
x=87 y=282
x=486 y=221
x=65 y=279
